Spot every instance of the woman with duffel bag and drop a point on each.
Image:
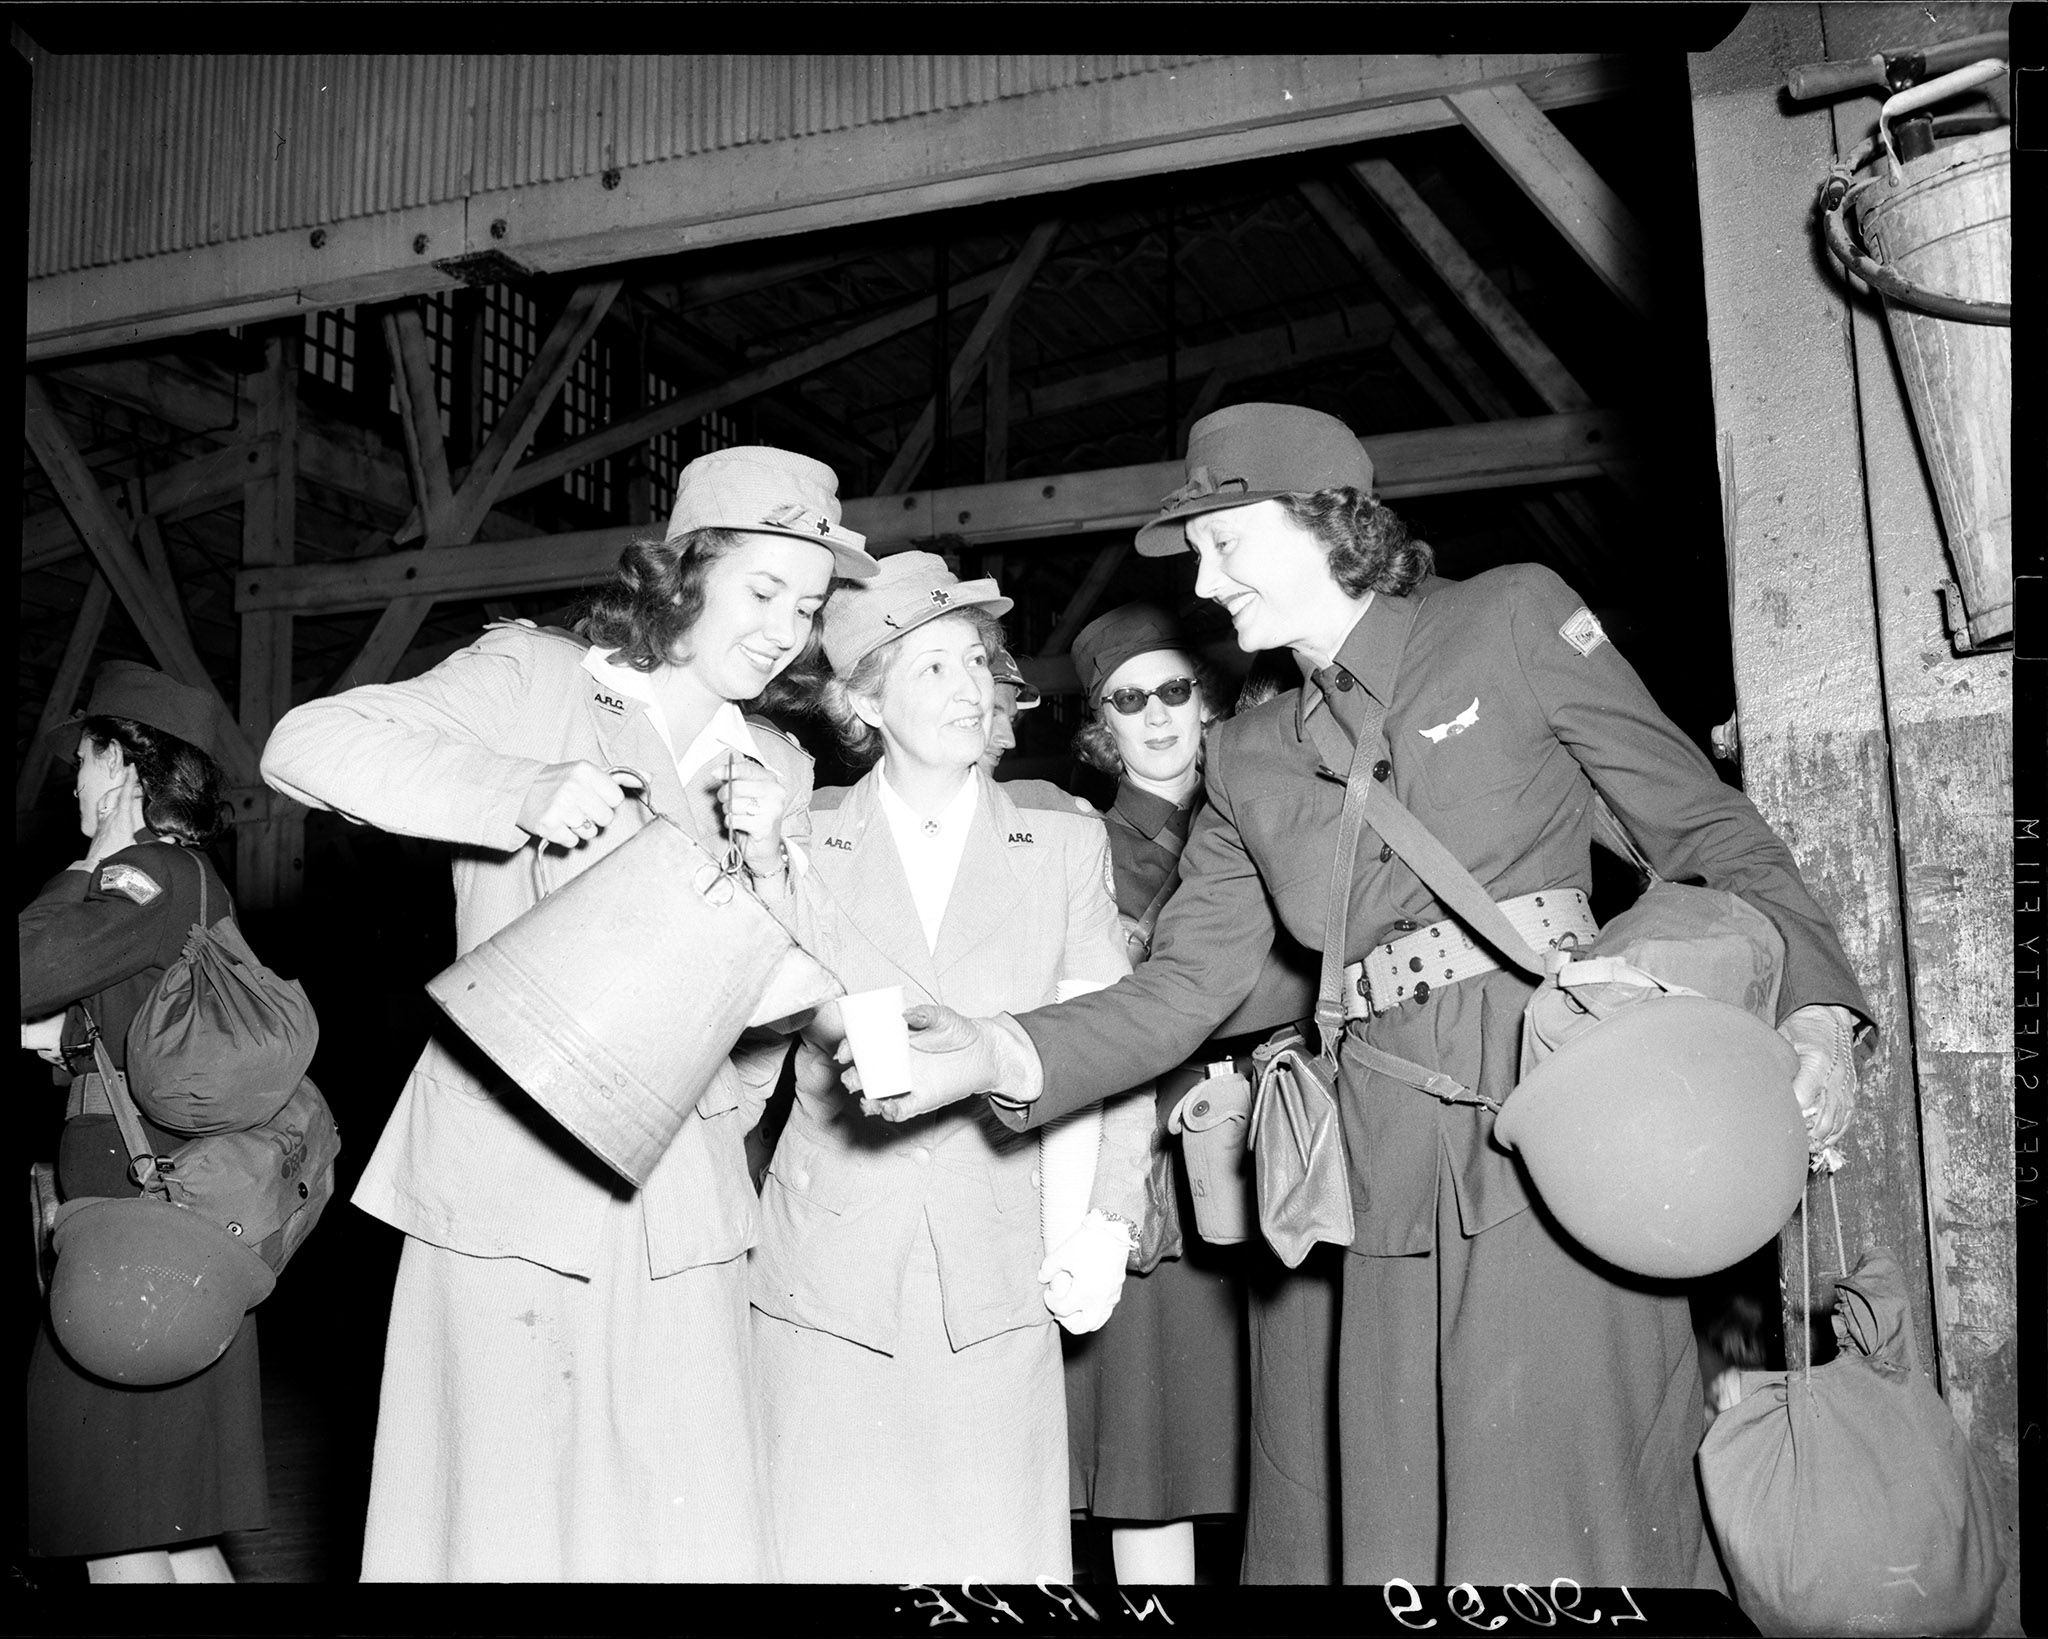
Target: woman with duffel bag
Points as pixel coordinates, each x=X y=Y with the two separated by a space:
x=140 y=1479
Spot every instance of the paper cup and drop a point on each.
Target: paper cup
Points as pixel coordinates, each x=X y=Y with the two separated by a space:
x=879 y=1038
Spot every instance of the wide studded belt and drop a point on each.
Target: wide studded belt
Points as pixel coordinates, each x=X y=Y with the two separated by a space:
x=88 y=1096
x=1407 y=969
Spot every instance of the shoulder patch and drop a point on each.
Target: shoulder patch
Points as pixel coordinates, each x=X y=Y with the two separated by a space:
x=130 y=882
x=1583 y=631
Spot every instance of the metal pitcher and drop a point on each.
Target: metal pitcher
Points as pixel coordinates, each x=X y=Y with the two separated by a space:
x=617 y=998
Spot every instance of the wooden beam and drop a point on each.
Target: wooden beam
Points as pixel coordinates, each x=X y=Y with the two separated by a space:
x=637 y=429
x=1565 y=188
x=1435 y=461
x=995 y=420
x=1482 y=298
x=333 y=454
x=1420 y=315
x=1262 y=352
x=196 y=485
x=71 y=670
x=1082 y=604
x=1095 y=129
x=1207 y=396
x=419 y=409
x=917 y=443
x=270 y=851
x=495 y=463
x=162 y=630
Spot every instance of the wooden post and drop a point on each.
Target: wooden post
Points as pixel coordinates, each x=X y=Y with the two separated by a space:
x=1950 y=724
x=1802 y=616
x=71 y=670
x=270 y=852
x=995 y=425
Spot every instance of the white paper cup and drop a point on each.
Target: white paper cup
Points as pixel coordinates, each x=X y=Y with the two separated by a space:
x=880 y=1040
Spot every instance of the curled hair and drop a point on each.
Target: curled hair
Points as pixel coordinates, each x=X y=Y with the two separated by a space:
x=181 y=785
x=656 y=595
x=1095 y=741
x=1369 y=546
x=860 y=741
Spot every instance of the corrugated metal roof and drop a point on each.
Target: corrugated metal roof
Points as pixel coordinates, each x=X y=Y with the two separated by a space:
x=136 y=156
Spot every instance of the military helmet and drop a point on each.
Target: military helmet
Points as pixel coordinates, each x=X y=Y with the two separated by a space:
x=1666 y=1138
x=146 y=1293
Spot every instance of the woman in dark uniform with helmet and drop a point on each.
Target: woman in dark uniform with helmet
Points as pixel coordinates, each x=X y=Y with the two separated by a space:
x=1158 y=1402
x=138 y=1481
x=1508 y=1408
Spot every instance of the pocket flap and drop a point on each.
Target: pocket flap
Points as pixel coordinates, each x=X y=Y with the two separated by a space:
x=1210 y=1103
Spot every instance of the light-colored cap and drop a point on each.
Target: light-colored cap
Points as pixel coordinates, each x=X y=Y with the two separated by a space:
x=767 y=491
x=910 y=589
x=1002 y=666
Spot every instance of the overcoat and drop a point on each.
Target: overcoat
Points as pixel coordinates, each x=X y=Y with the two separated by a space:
x=1506 y=707
x=568 y=1388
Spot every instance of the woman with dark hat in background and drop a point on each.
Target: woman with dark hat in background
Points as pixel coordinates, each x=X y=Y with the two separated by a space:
x=140 y=1481
x=1509 y=1408
x=568 y=1385
x=1157 y=1404
x=904 y=1297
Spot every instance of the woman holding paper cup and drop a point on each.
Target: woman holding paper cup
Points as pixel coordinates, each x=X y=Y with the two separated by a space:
x=905 y=1298
x=568 y=1383
x=1158 y=1404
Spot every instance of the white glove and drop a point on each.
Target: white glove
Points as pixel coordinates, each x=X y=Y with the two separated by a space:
x=1084 y=1275
x=1824 y=1037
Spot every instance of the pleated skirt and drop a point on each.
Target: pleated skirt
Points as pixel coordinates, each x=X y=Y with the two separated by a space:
x=932 y=1464
x=534 y=1426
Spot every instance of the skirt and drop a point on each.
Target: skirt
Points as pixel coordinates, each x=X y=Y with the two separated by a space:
x=536 y=1426
x=1156 y=1398
x=114 y=1470
x=932 y=1465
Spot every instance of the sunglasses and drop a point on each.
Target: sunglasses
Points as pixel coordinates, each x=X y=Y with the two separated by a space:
x=1175 y=691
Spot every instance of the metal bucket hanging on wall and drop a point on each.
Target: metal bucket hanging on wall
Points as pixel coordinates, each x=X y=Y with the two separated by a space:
x=617 y=998
x=1936 y=231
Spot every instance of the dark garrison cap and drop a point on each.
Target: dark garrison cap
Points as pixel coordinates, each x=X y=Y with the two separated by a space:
x=1107 y=641
x=125 y=688
x=1253 y=452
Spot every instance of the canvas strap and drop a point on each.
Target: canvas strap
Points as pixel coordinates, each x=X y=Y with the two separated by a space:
x=141 y=1153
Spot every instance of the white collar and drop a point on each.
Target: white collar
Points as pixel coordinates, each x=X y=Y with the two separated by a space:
x=949 y=821
x=727 y=730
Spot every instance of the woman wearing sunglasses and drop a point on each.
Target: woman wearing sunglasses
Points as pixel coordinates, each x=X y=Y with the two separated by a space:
x=1156 y=1403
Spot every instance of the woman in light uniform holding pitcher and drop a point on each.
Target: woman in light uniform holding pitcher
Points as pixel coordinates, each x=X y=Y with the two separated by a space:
x=568 y=1384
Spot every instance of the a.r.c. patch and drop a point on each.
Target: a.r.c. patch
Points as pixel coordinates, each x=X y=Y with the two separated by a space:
x=130 y=882
x=1583 y=631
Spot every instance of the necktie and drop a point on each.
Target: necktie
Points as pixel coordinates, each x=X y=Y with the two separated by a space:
x=1338 y=689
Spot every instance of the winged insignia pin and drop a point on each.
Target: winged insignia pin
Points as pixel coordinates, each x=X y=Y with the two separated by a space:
x=1457 y=725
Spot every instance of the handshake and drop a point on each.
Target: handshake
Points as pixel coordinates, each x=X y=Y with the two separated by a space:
x=950 y=1057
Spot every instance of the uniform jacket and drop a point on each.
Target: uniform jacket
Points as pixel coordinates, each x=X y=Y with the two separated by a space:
x=1140 y=826
x=846 y=1194
x=468 y=1161
x=1506 y=707
x=102 y=938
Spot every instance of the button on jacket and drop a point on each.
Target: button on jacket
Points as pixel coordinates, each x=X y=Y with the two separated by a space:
x=846 y=1193
x=468 y=1161
x=1505 y=708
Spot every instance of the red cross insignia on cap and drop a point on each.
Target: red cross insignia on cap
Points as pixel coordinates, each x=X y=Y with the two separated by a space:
x=941 y=596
